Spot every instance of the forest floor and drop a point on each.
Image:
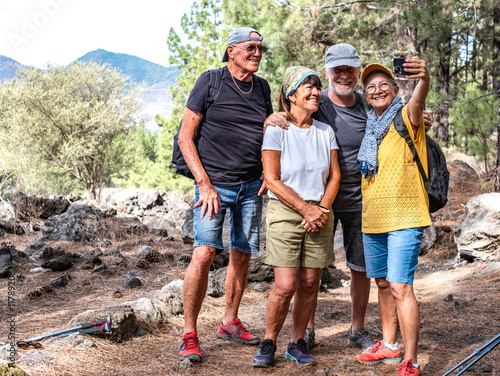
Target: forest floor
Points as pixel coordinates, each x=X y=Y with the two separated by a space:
x=450 y=330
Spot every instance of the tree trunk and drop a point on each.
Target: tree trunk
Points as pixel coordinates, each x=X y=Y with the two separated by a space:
x=495 y=176
x=406 y=39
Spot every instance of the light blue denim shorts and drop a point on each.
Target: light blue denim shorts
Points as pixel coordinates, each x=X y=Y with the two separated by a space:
x=393 y=255
x=245 y=212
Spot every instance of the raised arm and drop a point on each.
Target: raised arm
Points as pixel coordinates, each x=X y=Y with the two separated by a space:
x=416 y=105
x=209 y=197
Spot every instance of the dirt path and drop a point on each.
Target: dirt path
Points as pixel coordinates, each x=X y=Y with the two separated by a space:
x=449 y=330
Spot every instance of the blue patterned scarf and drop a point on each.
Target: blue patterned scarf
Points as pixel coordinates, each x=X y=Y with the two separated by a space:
x=376 y=129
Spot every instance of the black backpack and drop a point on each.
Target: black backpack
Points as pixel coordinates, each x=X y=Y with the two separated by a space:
x=213 y=88
x=436 y=184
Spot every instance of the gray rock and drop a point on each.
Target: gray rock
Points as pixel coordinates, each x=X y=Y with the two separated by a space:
x=174 y=287
x=34 y=247
x=428 y=239
x=71 y=341
x=148 y=198
x=60 y=282
x=152 y=311
x=216 y=279
x=81 y=223
x=259 y=287
x=27 y=207
x=493 y=268
x=132 y=283
x=124 y=323
x=187 y=233
x=448 y=298
x=11 y=227
x=257 y=270
x=161 y=226
x=58 y=264
x=478 y=234
x=8 y=257
x=114 y=252
x=35 y=358
x=137 y=273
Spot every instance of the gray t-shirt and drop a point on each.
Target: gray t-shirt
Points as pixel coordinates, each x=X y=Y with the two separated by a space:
x=305 y=157
x=349 y=124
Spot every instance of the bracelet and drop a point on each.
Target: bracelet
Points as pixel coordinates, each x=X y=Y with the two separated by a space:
x=293 y=203
x=321 y=206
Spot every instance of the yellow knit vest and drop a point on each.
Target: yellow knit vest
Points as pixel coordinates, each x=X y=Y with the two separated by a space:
x=395 y=197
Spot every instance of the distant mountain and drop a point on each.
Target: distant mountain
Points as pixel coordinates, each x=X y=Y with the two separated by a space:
x=138 y=69
x=8 y=67
x=156 y=78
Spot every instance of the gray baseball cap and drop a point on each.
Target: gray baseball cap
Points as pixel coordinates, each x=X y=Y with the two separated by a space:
x=342 y=54
x=241 y=34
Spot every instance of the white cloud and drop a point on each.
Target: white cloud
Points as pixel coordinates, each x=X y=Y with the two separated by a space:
x=36 y=32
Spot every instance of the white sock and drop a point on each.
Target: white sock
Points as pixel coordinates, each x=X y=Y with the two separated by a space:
x=391 y=347
x=415 y=365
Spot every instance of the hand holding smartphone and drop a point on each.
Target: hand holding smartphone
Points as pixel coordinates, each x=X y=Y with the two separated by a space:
x=397 y=67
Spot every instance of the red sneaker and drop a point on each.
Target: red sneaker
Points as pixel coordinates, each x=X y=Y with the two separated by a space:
x=407 y=369
x=237 y=332
x=190 y=348
x=379 y=353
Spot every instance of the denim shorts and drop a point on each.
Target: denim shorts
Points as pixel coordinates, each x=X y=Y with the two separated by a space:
x=353 y=239
x=393 y=255
x=245 y=212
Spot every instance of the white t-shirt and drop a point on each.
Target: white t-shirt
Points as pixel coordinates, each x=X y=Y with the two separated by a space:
x=305 y=157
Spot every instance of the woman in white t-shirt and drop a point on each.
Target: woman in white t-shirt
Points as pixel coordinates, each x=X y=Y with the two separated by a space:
x=302 y=173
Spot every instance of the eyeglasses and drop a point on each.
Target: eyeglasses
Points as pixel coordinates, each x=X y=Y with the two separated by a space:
x=250 y=49
x=384 y=86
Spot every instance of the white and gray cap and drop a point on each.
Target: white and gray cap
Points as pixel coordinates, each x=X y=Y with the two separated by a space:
x=239 y=35
x=342 y=54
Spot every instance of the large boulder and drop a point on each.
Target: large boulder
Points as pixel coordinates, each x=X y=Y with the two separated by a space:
x=160 y=226
x=11 y=227
x=148 y=198
x=258 y=271
x=8 y=257
x=478 y=234
x=27 y=207
x=124 y=323
x=81 y=223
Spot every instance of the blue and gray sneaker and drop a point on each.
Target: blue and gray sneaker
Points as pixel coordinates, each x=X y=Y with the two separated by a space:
x=298 y=352
x=265 y=355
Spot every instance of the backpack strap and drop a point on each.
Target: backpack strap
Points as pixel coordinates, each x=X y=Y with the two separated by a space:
x=266 y=92
x=401 y=128
x=213 y=86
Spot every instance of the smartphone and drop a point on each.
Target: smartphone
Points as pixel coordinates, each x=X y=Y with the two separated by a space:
x=397 y=67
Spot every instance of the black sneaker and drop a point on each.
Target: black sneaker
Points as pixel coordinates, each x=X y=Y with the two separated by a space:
x=361 y=339
x=265 y=355
x=298 y=353
x=309 y=337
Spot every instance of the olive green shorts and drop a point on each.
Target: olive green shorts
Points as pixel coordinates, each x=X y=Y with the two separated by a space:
x=289 y=245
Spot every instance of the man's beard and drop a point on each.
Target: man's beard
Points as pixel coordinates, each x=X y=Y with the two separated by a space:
x=340 y=94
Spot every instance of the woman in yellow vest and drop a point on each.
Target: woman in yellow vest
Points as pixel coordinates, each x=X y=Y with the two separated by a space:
x=395 y=208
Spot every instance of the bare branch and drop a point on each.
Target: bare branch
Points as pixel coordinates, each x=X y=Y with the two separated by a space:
x=345 y=4
x=481 y=96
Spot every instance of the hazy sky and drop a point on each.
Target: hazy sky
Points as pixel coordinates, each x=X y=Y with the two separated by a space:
x=35 y=32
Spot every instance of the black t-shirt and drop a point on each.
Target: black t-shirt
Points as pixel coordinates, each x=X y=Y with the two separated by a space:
x=349 y=124
x=232 y=129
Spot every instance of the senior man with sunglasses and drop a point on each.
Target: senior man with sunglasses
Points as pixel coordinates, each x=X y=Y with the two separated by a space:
x=226 y=164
